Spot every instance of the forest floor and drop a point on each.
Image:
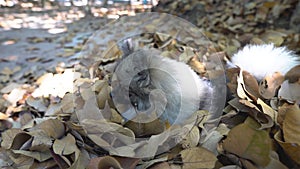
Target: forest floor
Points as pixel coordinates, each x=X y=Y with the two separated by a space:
x=41 y=49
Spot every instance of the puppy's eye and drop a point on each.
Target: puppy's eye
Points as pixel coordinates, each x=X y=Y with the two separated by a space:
x=142 y=75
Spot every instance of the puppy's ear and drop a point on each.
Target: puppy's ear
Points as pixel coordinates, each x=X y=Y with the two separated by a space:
x=126 y=46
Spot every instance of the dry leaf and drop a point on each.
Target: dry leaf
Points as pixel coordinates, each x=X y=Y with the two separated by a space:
x=146 y=129
x=8 y=88
x=53 y=128
x=246 y=141
x=293 y=75
x=82 y=159
x=128 y=163
x=40 y=141
x=266 y=109
x=103 y=95
x=65 y=145
x=105 y=162
x=291 y=123
x=15 y=95
x=37 y=103
x=192 y=139
x=163 y=165
x=250 y=83
x=40 y=156
x=270 y=84
x=292 y=149
x=3 y=116
x=272 y=36
x=198 y=157
x=8 y=138
x=242 y=92
x=290 y=91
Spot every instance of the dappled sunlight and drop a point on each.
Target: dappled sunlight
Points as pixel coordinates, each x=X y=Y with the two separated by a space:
x=125 y=84
x=57 y=15
x=57 y=20
x=56 y=84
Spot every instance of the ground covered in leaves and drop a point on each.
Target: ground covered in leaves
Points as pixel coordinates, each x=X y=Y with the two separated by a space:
x=56 y=109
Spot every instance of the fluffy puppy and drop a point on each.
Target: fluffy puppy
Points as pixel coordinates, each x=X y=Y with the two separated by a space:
x=150 y=83
x=262 y=60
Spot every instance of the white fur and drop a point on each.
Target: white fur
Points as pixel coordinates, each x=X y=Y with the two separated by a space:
x=191 y=90
x=260 y=60
x=180 y=85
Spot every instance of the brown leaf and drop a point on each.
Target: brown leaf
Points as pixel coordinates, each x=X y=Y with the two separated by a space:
x=45 y=164
x=128 y=163
x=15 y=95
x=3 y=116
x=249 y=82
x=40 y=156
x=8 y=138
x=270 y=84
x=146 y=129
x=163 y=165
x=293 y=75
x=291 y=123
x=247 y=88
x=41 y=141
x=8 y=88
x=37 y=103
x=192 y=139
x=53 y=128
x=82 y=159
x=198 y=157
x=65 y=145
x=272 y=36
x=292 y=149
x=290 y=91
x=20 y=161
x=246 y=141
x=105 y=162
x=266 y=109
x=197 y=66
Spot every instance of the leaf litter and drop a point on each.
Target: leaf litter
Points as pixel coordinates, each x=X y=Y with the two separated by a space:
x=52 y=134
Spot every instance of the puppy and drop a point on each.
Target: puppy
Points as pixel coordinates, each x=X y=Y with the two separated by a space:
x=145 y=82
x=262 y=60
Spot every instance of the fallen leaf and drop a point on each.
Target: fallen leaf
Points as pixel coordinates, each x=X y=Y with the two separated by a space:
x=270 y=84
x=40 y=156
x=197 y=157
x=40 y=141
x=128 y=163
x=53 y=128
x=82 y=159
x=8 y=88
x=290 y=91
x=65 y=145
x=146 y=129
x=292 y=149
x=291 y=123
x=8 y=138
x=163 y=165
x=192 y=139
x=105 y=162
x=15 y=95
x=266 y=109
x=293 y=75
x=37 y=103
x=272 y=36
x=246 y=141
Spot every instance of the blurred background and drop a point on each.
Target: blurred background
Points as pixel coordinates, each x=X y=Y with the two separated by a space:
x=35 y=35
x=41 y=46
